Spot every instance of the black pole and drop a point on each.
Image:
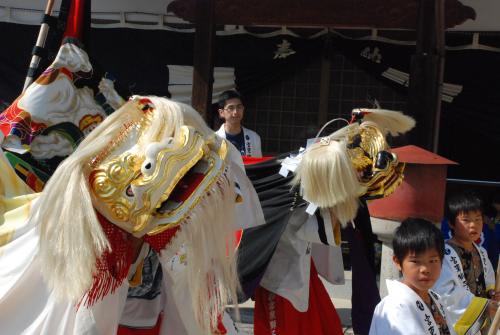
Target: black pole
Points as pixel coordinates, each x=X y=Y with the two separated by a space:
x=426 y=75
x=203 y=58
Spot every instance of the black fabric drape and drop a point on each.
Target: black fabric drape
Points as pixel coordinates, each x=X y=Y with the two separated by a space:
x=258 y=244
x=365 y=294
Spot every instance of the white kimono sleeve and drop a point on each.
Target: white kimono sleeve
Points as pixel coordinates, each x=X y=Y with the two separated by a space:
x=178 y=309
x=464 y=310
x=326 y=254
x=317 y=229
x=392 y=318
x=248 y=211
x=252 y=143
x=257 y=147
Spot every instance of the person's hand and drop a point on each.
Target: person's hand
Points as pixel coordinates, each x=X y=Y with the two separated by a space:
x=494 y=295
x=492 y=307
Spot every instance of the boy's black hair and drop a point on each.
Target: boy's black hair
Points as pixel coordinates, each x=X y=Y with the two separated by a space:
x=462 y=203
x=417 y=235
x=226 y=95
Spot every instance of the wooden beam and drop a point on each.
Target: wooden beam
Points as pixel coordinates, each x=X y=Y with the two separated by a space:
x=426 y=75
x=368 y=14
x=203 y=67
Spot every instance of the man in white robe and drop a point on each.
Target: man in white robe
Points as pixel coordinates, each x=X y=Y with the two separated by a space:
x=231 y=110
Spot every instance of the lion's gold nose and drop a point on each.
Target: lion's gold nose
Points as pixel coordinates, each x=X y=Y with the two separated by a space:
x=140 y=223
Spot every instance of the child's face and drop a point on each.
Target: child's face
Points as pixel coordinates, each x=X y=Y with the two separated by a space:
x=420 y=271
x=468 y=226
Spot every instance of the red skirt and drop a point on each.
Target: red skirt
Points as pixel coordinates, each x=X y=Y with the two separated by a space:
x=274 y=315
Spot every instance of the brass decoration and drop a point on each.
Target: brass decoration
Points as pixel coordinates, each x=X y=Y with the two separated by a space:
x=131 y=197
x=110 y=180
x=216 y=168
x=363 y=149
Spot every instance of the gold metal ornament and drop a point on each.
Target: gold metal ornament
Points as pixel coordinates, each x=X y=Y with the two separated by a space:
x=215 y=171
x=109 y=183
x=363 y=149
x=136 y=201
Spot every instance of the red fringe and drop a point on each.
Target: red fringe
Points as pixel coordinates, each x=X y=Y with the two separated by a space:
x=220 y=327
x=159 y=241
x=113 y=266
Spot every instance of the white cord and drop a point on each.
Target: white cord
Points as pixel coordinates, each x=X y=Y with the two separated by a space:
x=328 y=123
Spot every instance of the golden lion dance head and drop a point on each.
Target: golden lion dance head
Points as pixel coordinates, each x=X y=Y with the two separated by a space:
x=153 y=184
x=353 y=162
x=150 y=166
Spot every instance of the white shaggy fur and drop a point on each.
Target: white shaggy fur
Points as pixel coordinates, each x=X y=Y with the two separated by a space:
x=71 y=237
x=328 y=179
x=392 y=122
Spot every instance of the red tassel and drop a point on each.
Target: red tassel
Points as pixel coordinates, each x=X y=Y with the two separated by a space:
x=159 y=241
x=113 y=266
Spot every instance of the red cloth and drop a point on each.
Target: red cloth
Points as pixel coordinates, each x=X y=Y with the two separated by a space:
x=122 y=330
x=320 y=318
x=16 y=121
x=249 y=160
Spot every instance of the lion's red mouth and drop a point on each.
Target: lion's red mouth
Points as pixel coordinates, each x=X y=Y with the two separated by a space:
x=185 y=187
